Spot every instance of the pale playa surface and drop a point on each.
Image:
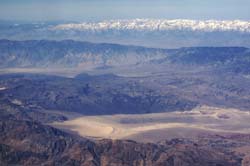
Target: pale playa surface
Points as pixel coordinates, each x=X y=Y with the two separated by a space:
x=131 y=126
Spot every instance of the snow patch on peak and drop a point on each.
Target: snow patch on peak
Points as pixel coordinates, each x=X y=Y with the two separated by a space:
x=2 y=88
x=160 y=25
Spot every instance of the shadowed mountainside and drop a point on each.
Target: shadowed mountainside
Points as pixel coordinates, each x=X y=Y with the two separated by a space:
x=86 y=95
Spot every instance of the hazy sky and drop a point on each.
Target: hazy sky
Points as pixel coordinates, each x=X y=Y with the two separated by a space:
x=87 y=10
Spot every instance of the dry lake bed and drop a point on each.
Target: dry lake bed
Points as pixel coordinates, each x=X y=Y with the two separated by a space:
x=159 y=126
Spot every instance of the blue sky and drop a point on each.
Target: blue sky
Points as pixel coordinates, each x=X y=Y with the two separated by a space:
x=94 y=10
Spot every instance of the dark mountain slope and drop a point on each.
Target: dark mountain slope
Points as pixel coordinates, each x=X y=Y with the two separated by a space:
x=30 y=143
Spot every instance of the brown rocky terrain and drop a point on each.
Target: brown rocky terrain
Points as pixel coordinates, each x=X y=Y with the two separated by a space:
x=31 y=143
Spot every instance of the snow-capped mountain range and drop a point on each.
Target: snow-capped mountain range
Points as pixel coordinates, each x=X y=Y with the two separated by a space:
x=159 y=25
x=141 y=32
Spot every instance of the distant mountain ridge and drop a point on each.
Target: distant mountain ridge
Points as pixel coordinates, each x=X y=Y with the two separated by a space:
x=72 y=54
x=68 y=53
